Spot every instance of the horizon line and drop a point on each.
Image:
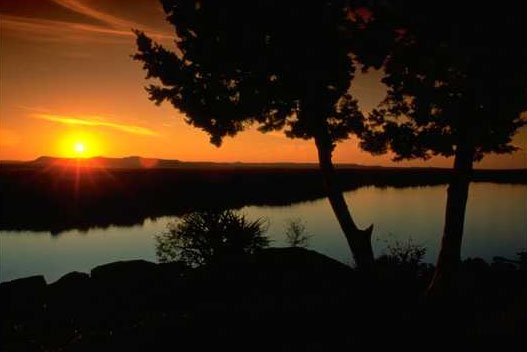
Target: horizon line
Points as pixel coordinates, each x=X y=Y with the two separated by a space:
x=314 y=163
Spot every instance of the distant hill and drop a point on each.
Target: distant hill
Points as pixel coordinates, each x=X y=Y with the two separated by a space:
x=130 y=162
x=133 y=162
x=137 y=162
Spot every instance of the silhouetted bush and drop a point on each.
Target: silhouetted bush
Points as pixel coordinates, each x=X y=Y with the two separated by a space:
x=296 y=233
x=511 y=264
x=203 y=237
x=404 y=257
x=522 y=260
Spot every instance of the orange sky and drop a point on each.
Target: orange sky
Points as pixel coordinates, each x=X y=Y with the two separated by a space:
x=67 y=76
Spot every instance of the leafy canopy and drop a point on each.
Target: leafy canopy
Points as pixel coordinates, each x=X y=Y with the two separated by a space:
x=456 y=75
x=278 y=64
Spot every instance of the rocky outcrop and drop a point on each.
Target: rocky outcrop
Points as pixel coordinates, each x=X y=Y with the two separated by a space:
x=276 y=299
x=23 y=296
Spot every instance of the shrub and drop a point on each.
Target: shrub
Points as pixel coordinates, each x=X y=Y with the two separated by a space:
x=296 y=234
x=404 y=257
x=203 y=237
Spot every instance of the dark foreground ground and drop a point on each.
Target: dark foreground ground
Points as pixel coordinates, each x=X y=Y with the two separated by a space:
x=276 y=300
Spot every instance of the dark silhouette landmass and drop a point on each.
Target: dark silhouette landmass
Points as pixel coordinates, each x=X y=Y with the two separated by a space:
x=287 y=299
x=132 y=162
x=43 y=196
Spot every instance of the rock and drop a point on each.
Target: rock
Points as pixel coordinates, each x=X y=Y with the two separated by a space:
x=172 y=269
x=22 y=296
x=287 y=267
x=173 y=283
x=72 y=278
x=291 y=276
x=172 y=275
x=24 y=286
x=70 y=293
x=281 y=290
x=125 y=282
x=127 y=273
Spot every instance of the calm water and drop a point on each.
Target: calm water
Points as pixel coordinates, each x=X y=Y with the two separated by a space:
x=496 y=224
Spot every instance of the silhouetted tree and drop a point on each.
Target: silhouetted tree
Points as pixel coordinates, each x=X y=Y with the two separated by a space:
x=207 y=236
x=405 y=256
x=457 y=80
x=296 y=234
x=278 y=64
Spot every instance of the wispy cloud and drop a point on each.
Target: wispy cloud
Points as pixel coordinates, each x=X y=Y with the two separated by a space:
x=111 y=20
x=53 y=30
x=96 y=121
x=111 y=28
x=81 y=8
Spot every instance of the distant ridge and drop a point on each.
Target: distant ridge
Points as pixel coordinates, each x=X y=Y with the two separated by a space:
x=138 y=162
x=133 y=162
x=130 y=162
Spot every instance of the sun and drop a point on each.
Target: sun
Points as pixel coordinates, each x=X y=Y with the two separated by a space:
x=79 y=147
x=79 y=144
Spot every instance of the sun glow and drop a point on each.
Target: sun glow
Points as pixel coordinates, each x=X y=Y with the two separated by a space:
x=79 y=145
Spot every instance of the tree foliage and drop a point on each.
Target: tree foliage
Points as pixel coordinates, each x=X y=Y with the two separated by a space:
x=403 y=254
x=296 y=233
x=456 y=75
x=277 y=64
x=457 y=86
x=204 y=237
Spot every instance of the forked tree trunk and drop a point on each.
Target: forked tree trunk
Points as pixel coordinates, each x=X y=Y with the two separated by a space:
x=358 y=240
x=449 y=258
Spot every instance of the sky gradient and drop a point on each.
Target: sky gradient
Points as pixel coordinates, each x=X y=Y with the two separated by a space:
x=66 y=76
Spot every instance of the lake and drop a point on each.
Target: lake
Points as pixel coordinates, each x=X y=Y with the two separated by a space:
x=495 y=225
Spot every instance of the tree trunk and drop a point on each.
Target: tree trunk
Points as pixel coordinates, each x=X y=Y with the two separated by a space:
x=449 y=258
x=359 y=241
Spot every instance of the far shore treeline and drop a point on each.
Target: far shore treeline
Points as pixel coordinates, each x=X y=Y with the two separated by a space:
x=61 y=197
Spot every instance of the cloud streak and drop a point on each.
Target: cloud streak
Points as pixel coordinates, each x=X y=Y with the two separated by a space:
x=113 y=21
x=59 y=30
x=81 y=8
x=96 y=122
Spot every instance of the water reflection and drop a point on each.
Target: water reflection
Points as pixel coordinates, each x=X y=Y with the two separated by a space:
x=496 y=224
